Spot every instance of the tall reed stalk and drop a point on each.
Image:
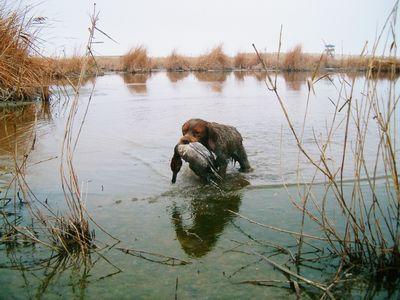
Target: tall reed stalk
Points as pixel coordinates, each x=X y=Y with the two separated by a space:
x=67 y=232
x=364 y=231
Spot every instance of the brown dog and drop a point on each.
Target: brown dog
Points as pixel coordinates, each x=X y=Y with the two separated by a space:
x=225 y=141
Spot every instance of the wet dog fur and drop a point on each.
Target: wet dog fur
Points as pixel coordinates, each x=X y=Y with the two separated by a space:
x=224 y=140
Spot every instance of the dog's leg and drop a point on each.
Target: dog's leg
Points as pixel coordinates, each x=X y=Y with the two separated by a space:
x=221 y=164
x=241 y=157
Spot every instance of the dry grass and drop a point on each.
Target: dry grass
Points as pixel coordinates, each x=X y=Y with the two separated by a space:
x=215 y=60
x=69 y=232
x=136 y=60
x=176 y=62
x=245 y=61
x=358 y=219
x=295 y=60
x=109 y=63
x=21 y=76
x=69 y=66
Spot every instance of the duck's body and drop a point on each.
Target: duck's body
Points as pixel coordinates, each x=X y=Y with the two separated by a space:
x=201 y=160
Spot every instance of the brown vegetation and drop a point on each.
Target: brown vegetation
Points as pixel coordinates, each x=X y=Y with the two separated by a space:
x=136 y=60
x=215 y=60
x=69 y=66
x=109 y=63
x=176 y=62
x=357 y=219
x=295 y=60
x=245 y=61
x=21 y=76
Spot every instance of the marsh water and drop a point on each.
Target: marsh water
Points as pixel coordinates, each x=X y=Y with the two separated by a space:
x=122 y=161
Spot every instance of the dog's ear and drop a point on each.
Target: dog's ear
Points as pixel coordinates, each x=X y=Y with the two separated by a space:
x=176 y=164
x=185 y=127
x=211 y=137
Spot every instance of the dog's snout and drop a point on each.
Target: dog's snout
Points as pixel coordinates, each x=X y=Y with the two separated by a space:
x=184 y=140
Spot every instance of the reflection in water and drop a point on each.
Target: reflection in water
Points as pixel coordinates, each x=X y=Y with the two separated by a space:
x=177 y=76
x=45 y=273
x=16 y=124
x=211 y=76
x=372 y=75
x=62 y=82
x=209 y=215
x=136 y=83
x=239 y=75
x=78 y=268
x=216 y=79
x=295 y=80
x=259 y=76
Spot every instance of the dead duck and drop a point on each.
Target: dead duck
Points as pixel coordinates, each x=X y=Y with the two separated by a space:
x=201 y=161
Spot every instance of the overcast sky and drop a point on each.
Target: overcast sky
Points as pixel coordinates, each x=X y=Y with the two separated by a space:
x=193 y=27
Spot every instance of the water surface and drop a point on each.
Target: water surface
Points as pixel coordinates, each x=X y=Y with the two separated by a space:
x=122 y=161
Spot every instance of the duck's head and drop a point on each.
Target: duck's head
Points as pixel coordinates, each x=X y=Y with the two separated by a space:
x=176 y=164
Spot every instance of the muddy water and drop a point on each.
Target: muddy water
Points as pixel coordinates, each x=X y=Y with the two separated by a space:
x=122 y=160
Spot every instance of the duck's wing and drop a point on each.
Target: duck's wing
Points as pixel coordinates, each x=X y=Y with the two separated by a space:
x=204 y=152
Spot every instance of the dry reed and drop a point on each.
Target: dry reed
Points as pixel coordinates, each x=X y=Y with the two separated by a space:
x=69 y=66
x=215 y=60
x=294 y=60
x=65 y=233
x=363 y=232
x=245 y=61
x=176 y=62
x=136 y=60
x=21 y=76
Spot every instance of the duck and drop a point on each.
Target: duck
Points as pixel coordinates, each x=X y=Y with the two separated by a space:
x=201 y=161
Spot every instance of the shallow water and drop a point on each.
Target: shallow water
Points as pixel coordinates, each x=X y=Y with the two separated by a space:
x=122 y=160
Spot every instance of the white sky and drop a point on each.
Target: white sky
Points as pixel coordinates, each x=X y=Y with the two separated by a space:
x=193 y=27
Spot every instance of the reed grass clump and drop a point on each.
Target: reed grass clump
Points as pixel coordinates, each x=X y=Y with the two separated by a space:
x=69 y=66
x=294 y=59
x=22 y=77
x=176 y=62
x=136 y=60
x=215 y=60
x=70 y=235
x=245 y=61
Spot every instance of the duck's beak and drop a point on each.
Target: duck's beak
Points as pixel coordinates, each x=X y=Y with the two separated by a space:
x=174 y=174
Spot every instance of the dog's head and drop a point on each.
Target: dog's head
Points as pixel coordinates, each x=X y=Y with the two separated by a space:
x=197 y=130
x=194 y=130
